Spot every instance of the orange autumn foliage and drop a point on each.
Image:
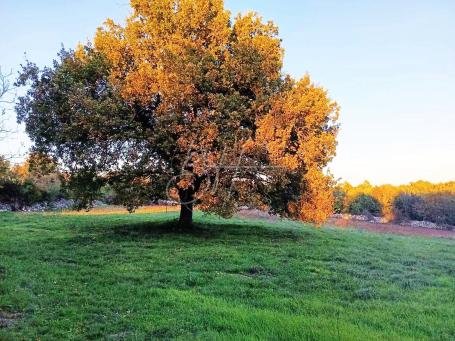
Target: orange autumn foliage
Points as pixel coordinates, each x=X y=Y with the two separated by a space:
x=171 y=47
x=299 y=134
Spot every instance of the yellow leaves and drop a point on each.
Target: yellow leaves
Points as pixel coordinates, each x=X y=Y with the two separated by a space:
x=204 y=22
x=299 y=131
x=141 y=83
x=385 y=194
x=316 y=203
x=109 y=40
x=248 y=146
x=311 y=103
x=162 y=45
x=79 y=52
x=176 y=47
x=21 y=171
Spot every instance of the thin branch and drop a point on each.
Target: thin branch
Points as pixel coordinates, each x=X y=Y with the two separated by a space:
x=5 y=90
x=5 y=85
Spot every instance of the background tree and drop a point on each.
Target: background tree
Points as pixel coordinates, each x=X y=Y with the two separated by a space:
x=185 y=101
x=365 y=204
x=385 y=195
x=36 y=180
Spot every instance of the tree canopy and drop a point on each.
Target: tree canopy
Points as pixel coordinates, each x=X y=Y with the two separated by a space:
x=185 y=102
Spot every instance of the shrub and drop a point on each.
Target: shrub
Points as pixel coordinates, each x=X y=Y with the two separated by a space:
x=365 y=204
x=18 y=195
x=22 y=185
x=436 y=208
x=408 y=207
x=439 y=209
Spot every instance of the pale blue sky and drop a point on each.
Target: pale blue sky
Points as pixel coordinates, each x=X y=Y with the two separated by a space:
x=389 y=64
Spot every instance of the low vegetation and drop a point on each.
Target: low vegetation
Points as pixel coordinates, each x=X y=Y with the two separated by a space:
x=421 y=201
x=134 y=277
x=31 y=182
x=437 y=208
x=365 y=204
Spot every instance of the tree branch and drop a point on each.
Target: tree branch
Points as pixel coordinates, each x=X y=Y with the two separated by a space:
x=5 y=89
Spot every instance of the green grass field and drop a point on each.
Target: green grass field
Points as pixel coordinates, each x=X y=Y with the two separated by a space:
x=129 y=277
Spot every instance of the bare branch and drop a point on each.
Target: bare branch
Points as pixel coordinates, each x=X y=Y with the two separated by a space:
x=5 y=86
x=5 y=90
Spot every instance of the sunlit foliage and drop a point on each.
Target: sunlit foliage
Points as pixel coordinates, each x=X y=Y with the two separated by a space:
x=184 y=101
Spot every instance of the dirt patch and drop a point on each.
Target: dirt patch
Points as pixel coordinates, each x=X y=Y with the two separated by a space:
x=390 y=228
x=256 y=214
x=8 y=320
x=361 y=225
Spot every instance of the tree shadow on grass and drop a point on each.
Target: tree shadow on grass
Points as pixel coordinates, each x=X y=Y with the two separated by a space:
x=253 y=230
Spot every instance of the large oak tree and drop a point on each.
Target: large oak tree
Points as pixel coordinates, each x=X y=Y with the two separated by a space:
x=185 y=102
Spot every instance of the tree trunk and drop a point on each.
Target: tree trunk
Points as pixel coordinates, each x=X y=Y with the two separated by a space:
x=186 y=208
x=186 y=215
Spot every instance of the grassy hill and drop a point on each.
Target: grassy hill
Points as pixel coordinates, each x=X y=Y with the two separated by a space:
x=130 y=277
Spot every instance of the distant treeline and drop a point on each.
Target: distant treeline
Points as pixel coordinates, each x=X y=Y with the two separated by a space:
x=421 y=200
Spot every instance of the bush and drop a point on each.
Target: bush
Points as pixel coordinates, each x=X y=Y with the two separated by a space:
x=436 y=208
x=18 y=195
x=365 y=204
x=408 y=207
x=439 y=209
x=34 y=181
